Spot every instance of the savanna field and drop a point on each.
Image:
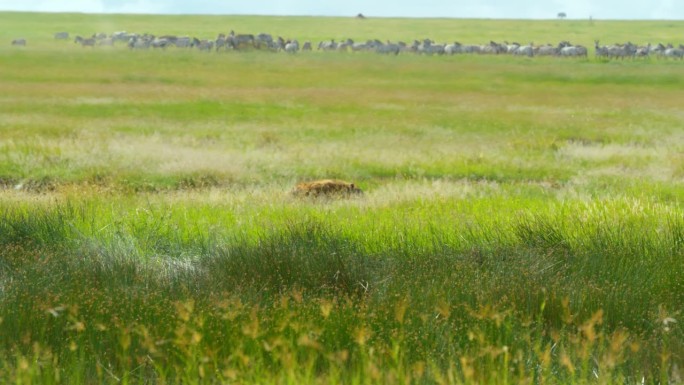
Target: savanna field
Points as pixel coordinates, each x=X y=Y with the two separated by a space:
x=521 y=221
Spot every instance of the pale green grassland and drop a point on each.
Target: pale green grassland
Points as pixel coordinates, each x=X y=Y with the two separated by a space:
x=521 y=222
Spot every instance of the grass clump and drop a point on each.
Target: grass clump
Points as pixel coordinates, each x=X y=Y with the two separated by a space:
x=578 y=291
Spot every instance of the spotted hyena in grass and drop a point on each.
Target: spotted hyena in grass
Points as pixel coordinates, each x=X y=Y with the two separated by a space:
x=326 y=188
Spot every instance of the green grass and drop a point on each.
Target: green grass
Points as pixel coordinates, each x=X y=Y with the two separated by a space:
x=521 y=221
x=462 y=280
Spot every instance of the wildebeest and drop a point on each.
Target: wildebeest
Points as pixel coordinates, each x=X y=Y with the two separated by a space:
x=19 y=42
x=62 y=36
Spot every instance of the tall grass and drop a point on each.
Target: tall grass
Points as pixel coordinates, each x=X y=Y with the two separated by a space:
x=566 y=292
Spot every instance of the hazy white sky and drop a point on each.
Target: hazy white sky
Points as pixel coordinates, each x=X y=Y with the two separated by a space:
x=534 y=9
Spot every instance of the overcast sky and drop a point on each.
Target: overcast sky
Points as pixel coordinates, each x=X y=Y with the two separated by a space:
x=532 y=9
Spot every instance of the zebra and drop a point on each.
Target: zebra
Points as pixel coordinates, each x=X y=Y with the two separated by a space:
x=546 y=50
x=292 y=47
x=656 y=50
x=170 y=38
x=512 y=48
x=306 y=46
x=138 y=43
x=389 y=48
x=159 y=43
x=621 y=51
x=183 y=42
x=19 y=42
x=342 y=47
x=659 y=50
x=263 y=40
x=643 y=52
x=89 y=42
x=240 y=41
x=493 y=48
x=525 y=50
x=356 y=47
x=62 y=36
x=429 y=48
x=327 y=45
x=570 y=50
x=221 y=42
x=280 y=41
x=453 y=48
x=123 y=36
x=675 y=53
x=471 y=48
x=600 y=51
x=203 y=45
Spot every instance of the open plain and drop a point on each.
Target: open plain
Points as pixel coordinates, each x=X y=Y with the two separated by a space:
x=521 y=220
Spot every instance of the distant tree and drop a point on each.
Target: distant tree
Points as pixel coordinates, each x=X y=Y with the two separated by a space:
x=562 y=15
x=360 y=16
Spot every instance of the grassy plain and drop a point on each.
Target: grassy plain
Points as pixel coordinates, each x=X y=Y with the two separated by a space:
x=522 y=221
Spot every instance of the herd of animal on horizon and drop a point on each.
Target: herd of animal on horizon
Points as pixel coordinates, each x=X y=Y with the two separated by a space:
x=266 y=42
